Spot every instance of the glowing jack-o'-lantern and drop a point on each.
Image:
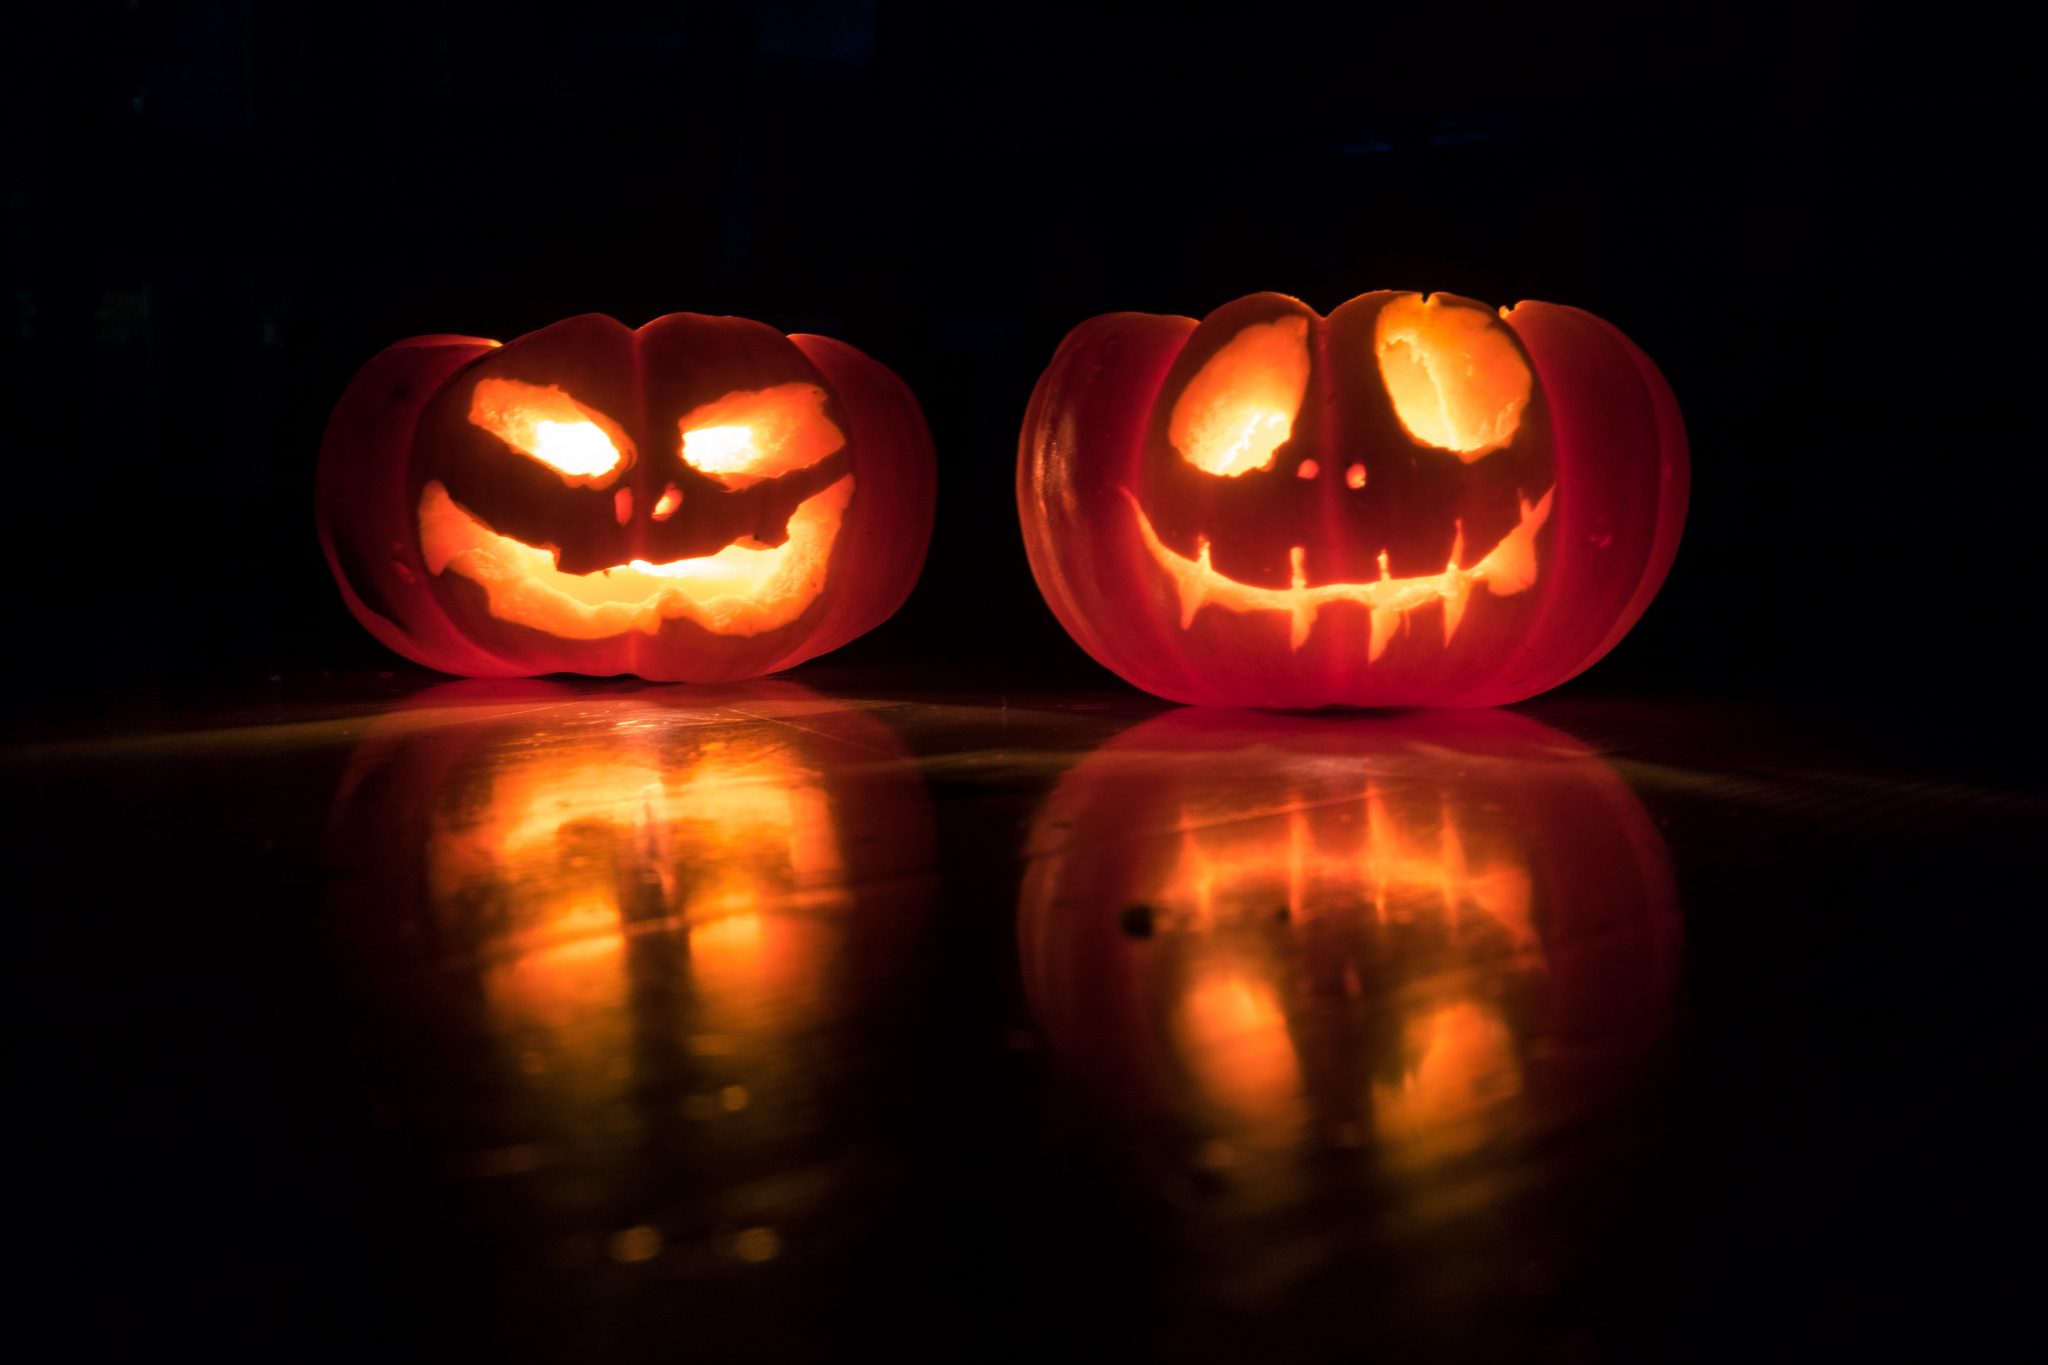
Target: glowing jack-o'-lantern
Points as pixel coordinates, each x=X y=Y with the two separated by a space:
x=1409 y=937
x=701 y=500
x=623 y=944
x=1412 y=501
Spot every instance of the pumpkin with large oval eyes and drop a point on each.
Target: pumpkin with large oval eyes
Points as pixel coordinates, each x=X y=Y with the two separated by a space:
x=700 y=500
x=1413 y=501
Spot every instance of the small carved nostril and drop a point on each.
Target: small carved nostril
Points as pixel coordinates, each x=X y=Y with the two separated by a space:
x=665 y=506
x=1354 y=477
x=622 y=505
x=1307 y=469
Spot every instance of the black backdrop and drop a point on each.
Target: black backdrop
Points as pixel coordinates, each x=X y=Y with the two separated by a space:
x=217 y=211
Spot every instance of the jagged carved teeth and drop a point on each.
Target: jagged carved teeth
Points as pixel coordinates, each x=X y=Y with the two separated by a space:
x=1508 y=568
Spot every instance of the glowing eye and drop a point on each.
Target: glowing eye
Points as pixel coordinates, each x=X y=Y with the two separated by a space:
x=545 y=424
x=1457 y=380
x=1239 y=409
x=720 y=450
x=758 y=434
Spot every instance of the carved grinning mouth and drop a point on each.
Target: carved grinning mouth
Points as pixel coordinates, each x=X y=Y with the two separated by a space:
x=740 y=590
x=1507 y=569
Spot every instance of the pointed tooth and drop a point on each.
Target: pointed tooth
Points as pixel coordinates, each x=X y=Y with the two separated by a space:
x=1455 y=602
x=1302 y=618
x=1384 y=619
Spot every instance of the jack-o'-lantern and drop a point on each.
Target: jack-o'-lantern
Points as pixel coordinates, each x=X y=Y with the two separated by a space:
x=1406 y=938
x=1413 y=501
x=615 y=947
x=701 y=500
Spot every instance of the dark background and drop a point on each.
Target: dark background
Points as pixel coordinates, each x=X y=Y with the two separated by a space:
x=218 y=211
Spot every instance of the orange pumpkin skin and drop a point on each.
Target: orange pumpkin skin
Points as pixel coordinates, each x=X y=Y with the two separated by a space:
x=464 y=551
x=1372 y=560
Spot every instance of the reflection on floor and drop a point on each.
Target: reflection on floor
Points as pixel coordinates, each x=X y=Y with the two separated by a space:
x=746 y=1023
x=1409 y=936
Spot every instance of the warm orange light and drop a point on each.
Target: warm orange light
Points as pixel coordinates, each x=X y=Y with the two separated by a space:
x=1508 y=568
x=1460 y=1063
x=1456 y=378
x=1239 y=409
x=1308 y=853
x=1262 y=898
x=617 y=936
x=720 y=450
x=1235 y=1038
x=743 y=589
x=758 y=434
x=722 y=854
x=544 y=423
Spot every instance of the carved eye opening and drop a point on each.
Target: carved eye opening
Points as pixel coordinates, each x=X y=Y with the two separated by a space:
x=1457 y=380
x=757 y=434
x=543 y=423
x=1239 y=409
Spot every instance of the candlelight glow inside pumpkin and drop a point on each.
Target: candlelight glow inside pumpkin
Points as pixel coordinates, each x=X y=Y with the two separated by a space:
x=1457 y=383
x=740 y=590
x=1416 y=500
x=540 y=420
x=700 y=499
x=743 y=438
x=1240 y=409
x=1456 y=379
x=739 y=440
x=1507 y=568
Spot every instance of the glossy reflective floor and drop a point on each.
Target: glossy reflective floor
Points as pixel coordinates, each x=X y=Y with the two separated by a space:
x=510 y=1021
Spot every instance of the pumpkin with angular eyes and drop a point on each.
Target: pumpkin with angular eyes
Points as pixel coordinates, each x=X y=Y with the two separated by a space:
x=701 y=500
x=1411 y=502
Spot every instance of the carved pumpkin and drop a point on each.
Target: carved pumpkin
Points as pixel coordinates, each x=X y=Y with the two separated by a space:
x=1408 y=936
x=1413 y=501
x=625 y=946
x=701 y=500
